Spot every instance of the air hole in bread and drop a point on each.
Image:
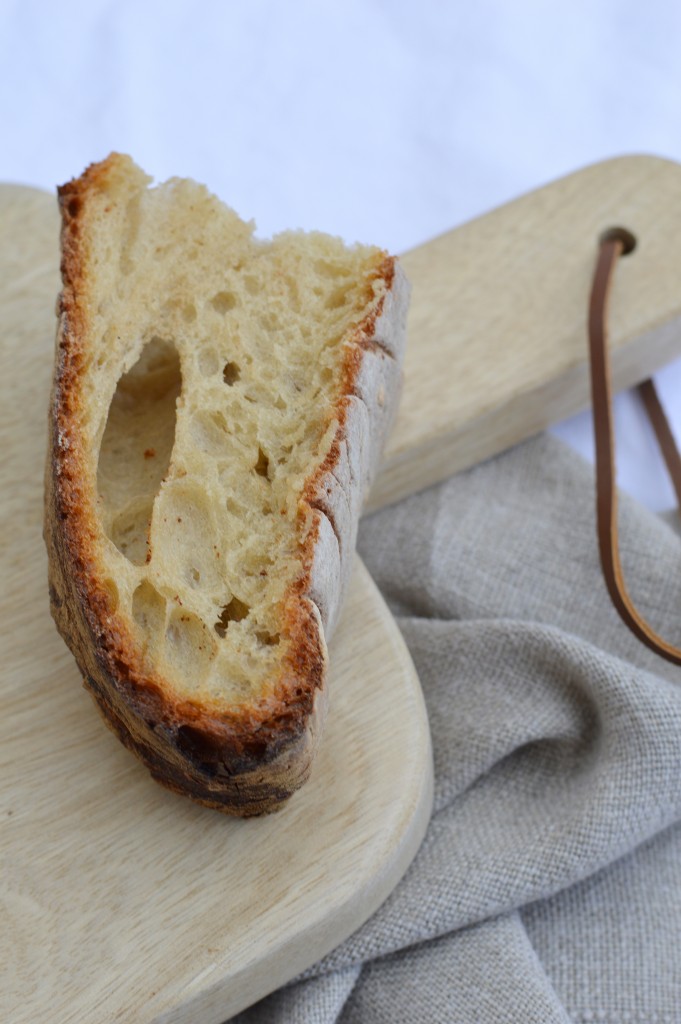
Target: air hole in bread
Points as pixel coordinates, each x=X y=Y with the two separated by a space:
x=231 y=373
x=235 y=611
x=268 y=639
x=141 y=419
x=189 y=646
x=223 y=302
x=149 y=610
x=130 y=532
x=263 y=464
x=111 y=591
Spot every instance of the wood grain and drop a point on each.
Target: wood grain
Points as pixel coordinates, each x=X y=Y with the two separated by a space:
x=121 y=901
x=497 y=328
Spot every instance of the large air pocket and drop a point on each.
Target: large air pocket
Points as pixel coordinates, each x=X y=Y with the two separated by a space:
x=137 y=446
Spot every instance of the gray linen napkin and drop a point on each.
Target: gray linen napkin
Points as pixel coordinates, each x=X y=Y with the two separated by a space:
x=548 y=887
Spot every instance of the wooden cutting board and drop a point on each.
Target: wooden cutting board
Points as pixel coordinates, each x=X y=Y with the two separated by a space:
x=497 y=342
x=123 y=902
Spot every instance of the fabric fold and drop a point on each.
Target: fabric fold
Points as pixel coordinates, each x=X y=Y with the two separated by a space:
x=557 y=743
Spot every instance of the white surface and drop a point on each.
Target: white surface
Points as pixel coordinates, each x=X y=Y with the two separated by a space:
x=381 y=121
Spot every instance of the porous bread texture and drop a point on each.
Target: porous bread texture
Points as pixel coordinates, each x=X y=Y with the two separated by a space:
x=231 y=353
x=220 y=404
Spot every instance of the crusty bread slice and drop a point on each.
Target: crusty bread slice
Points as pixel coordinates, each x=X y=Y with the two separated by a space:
x=219 y=406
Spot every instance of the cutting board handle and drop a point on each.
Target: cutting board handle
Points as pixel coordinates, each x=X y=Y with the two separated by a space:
x=497 y=346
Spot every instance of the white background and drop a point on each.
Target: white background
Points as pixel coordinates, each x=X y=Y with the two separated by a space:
x=381 y=121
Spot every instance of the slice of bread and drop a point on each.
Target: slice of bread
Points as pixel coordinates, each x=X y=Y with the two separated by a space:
x=219 y=406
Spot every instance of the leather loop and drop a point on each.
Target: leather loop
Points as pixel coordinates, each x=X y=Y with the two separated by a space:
x=613 y=244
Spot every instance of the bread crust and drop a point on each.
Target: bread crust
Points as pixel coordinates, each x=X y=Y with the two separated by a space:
x=243 y=760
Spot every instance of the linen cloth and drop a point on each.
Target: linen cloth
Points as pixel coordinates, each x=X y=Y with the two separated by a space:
x=548 y=887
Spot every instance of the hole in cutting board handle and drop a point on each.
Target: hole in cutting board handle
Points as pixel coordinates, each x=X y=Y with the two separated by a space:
x=619 y=234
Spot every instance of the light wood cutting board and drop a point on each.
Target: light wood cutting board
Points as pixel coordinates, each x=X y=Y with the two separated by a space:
x=123 y=902
x=497 y=343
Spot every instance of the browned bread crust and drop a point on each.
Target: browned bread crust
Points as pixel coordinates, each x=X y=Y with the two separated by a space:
x=249 y=758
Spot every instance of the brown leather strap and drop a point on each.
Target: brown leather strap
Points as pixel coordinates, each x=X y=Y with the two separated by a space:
x=615 y=243
x=665 y=438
